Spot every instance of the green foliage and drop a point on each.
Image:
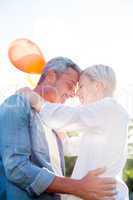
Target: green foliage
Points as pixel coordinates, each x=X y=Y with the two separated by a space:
x=70 y=162
x=128 y=174
x=128 y=171
x=130 y=140
x=74 y=133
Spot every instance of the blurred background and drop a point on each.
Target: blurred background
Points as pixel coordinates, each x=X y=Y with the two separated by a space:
x=87 y=31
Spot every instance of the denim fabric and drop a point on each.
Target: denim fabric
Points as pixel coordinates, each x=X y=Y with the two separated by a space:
x=25 y=168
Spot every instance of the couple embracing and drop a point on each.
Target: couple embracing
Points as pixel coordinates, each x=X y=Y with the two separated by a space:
x=33 y=139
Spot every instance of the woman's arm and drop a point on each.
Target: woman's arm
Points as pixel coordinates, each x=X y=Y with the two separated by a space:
x=63 y=118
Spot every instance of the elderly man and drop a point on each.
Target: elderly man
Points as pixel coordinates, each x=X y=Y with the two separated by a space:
x=31 y=158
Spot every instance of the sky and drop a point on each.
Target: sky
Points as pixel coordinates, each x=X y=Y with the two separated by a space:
x=87 y=31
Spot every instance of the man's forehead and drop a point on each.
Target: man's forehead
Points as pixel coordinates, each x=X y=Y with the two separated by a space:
x=71 y=77
x=71 y=73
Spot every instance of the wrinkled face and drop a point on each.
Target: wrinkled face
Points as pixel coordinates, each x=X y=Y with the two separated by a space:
x=88 y=91
x=66 y=84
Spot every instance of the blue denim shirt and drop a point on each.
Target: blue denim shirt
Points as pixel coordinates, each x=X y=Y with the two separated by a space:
x=25 y=168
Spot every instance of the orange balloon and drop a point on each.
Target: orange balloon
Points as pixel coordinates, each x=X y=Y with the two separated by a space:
x=26 y=56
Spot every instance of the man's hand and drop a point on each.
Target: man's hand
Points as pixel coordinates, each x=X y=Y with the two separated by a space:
x=91 y=187
x=94 y=187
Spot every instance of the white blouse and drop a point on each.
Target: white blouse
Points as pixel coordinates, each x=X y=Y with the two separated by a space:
x=104 y=137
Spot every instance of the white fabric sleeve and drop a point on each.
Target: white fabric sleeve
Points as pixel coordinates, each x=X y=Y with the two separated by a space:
x=64 y=118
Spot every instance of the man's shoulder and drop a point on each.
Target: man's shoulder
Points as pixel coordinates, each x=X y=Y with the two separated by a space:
x=15 y=101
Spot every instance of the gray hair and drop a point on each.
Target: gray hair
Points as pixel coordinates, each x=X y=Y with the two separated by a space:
x=104 y=74
x=59 y=65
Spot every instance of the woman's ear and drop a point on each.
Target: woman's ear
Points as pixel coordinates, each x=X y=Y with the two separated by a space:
x=99 y=86
x=51 y=77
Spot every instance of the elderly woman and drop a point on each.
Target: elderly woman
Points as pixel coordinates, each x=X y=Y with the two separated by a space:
x=101 y=121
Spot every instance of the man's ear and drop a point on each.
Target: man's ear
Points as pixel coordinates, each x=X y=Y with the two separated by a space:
x=51 y=77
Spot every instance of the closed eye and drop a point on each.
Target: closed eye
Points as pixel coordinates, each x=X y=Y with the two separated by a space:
x=70 y=86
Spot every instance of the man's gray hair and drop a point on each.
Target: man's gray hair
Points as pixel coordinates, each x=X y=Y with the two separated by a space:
x=59 y=65
x=104 y=74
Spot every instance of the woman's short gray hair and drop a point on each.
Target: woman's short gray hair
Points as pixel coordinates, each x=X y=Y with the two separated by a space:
x=104 y=74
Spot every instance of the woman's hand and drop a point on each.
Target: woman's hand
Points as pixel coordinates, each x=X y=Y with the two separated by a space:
x=35 y=100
